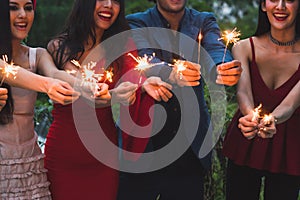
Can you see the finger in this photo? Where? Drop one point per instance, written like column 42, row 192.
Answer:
column 229, row 65
column 3, row 97
column 103, row 89
column 3, row 91
column 162, row 95
column 191, row 65
column 189, row 72
column 166, row 92
column 230, row 72
column 187, row 83
column 226, row 82
column 165, row 85
column 67, row 90
column 126, row 89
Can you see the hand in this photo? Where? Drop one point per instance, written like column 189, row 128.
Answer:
column 157, row 89
column 229, row 73
column 267, row 129
column 188, row 77
column 61, row 92
column 102, row 95
column 247, row 126
column 124, row 93
column 3, row 97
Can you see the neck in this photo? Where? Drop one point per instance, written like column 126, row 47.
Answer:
column 173, row 18
column 285, row 40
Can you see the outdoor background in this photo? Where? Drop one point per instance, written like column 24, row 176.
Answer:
column 49, row 20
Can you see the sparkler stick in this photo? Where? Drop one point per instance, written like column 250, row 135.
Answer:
column 230, row 37
column 199, row 45
column 9, row 69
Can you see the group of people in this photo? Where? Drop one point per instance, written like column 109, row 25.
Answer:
column 79, row 162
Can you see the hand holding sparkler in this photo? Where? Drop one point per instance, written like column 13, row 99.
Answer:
column 3, row 97
column 125, row 93
column 185, row 73
column 229, row 73
column 91, row 79
column 8, row 69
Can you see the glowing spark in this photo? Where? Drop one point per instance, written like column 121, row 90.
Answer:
column 88, row 75
column 109, row 76
column 230, row 37
column 143, row 63
column 8, row 69
column 267, row 119
column 256, row 113
column 180, row 67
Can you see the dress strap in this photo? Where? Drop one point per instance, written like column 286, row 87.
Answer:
column 32, row 59
column 252, row 49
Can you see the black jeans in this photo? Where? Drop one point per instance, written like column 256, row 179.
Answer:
column 245, row 183
column 182, row 180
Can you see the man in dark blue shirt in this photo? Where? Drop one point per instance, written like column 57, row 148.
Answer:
column 169, row 30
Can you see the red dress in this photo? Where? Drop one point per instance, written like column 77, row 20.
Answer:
column 74, row 169
column 279, row 154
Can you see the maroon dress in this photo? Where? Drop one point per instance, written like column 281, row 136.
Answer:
column 74, row 172
column 279, row 154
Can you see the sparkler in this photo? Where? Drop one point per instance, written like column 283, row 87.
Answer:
column 256, row 113
column 88, row 74
column 230, row 37
column 180, row 67
column 199, row 45
column 8, row 69
column 267, row 119
column 143, row 63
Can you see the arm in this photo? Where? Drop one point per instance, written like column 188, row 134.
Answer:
column 287, row 107
column 48, row 68
column 57, row 90
column 161, row 68
column 3, row 97
column 228, row 72
column 242, row 52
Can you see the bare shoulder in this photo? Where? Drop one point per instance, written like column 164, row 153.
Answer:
column 242, row 45
column 53, row 45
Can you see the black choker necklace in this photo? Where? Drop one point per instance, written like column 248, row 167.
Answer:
column 289, row 43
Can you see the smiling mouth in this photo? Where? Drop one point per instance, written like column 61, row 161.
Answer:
column 280, row 17
column 105, row 16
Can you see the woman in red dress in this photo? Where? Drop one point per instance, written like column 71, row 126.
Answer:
column 74, row 169
column 256, row 147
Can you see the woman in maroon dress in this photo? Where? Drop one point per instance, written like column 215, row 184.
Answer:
column 74, row 169
column 271, row 73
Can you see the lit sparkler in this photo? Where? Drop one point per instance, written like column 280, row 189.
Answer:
column 199, row 45
column 230, row 37
column 256, row 113
column 8, row 69
column 88, row 74
column 143, row 63
column 267, row 119
column 180, row 67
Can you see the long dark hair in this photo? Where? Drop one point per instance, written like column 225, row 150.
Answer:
column 80, row 26
column 264, row 26
column 6, row 114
